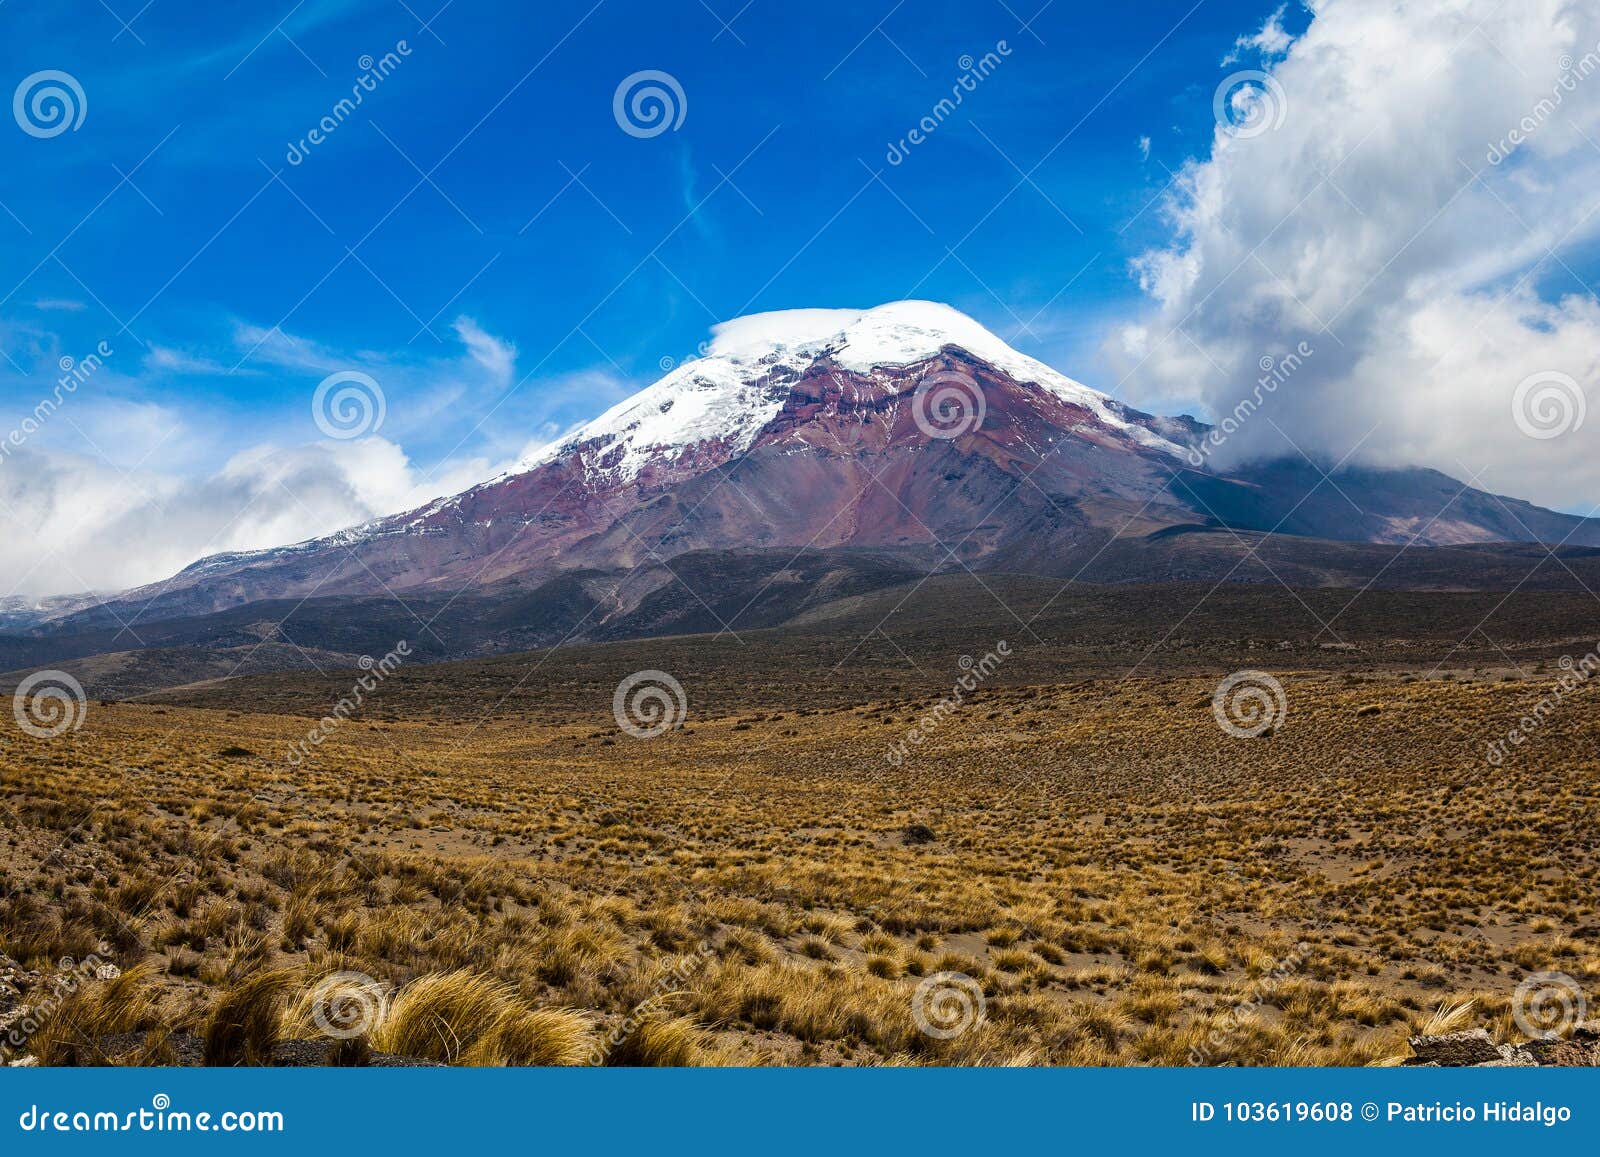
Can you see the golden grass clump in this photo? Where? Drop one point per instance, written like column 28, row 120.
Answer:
column 441, row 1016
column 75, row 1033
column 245, row 1022
column 659, row 1041
column 534, row 1036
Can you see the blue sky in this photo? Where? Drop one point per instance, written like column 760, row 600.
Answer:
column 1413, row 194
column 635, row 245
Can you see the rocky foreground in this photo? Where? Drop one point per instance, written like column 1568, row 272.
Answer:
column 1474, row 1048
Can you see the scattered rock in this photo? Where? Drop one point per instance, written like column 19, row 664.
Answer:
column 1580, row 1050
column 1455, row 1049
column 185, row 1050
column 917, row 834
column 1474, row 1048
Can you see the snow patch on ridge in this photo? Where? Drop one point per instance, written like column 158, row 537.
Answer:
column 707, row 400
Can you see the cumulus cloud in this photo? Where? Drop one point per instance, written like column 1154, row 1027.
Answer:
column 1268, row 41
column 102, row 488
column 1403, row 192
column 74, row 523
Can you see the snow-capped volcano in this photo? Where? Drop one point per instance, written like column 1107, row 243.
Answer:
column 821, row 428
column 728, row 396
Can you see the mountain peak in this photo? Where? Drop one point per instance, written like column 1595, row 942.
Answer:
column 724, row 397
column 896, row 333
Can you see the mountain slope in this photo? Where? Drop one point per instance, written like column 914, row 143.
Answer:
column 907, row 428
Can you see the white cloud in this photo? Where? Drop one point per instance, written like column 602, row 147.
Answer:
column 1269, row 41
column 74, row 523
column 422, row 391
column 1371, row 224
column 161, row 359
column 496, row 356
column 111, row 490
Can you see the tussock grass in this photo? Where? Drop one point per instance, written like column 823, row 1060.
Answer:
column 442, row 1016
column 1123, row 882
column 1448, row 1017
column 244, row 1023
column 74, row 1033
column 534, row 1036
column 664, row 1041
